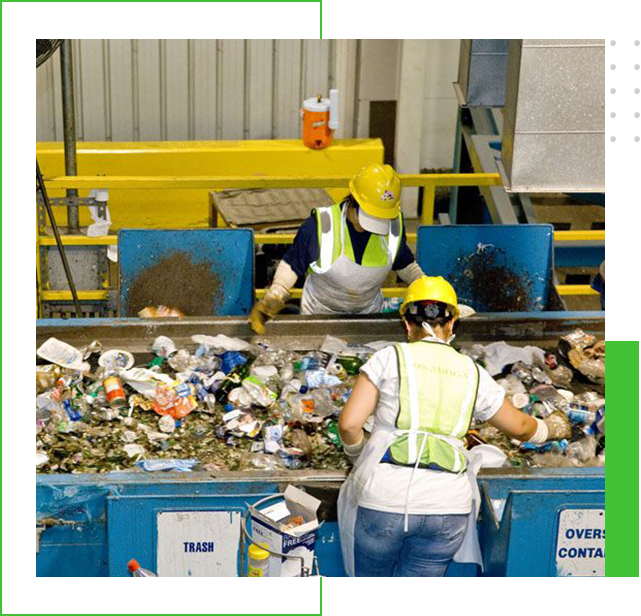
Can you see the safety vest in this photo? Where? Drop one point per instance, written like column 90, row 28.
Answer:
column 437, row 393
column 333, row 233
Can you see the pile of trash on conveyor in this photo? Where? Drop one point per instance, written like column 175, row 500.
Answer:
column 233, row 405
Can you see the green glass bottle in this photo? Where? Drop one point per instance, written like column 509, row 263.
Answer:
column 232, row 380
column 351, row 364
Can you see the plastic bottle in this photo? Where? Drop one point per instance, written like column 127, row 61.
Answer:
column 323, row 406
column 583, row 450
column 258, row 565
column 579, row 413
column 312, row 406
column 290, row 389
column 137, row 571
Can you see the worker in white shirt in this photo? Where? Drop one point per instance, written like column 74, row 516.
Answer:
column 410, row 503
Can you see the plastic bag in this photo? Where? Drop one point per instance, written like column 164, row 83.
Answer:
column 512, row 385
column 260, row 394
column 144, row 381
column 163, row 346
column 222, row 342
column 62, row 354
column 321, row 378
column 167, row 465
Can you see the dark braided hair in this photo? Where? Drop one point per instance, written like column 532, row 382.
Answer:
column 435, row 314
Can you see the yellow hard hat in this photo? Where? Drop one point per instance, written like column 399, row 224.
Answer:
column 377, row 189
column 433, row 288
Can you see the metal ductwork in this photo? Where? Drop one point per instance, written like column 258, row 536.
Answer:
column 554, row 116
column 482, row 72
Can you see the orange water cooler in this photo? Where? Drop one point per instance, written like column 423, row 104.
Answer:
column 320, row 120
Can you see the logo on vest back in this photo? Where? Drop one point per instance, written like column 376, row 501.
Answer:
column 441, row 370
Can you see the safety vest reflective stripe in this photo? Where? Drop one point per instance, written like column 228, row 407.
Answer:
column 328, row 239
column 394, row 238
column 437, row 394
column 333, row 239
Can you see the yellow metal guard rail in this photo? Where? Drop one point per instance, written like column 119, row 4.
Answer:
column 429, row 182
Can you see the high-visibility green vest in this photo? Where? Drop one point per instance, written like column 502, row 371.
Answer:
column 380, row 250
column 437, row 393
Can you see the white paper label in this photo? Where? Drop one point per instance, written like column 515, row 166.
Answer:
column 580, row 548
column 198, row 543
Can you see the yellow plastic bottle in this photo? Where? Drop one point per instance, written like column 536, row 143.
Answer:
column 258, row 565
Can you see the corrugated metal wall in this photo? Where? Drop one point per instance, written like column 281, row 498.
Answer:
column 147, row 90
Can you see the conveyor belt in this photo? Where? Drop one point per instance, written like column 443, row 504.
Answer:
column 306, row 332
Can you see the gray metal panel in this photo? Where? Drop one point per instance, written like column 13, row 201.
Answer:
column 149, row 100
column 87, row 264
column 175, row 81
column 511, row 103
column 554, row 124
column 205, row 100
column 465, row 55
column 490, row 45
column 121, row 101
column 563, row 42
column 91, row 90
column 487, row 80
column 562, row 89
column 482, row 72
column 558, row 163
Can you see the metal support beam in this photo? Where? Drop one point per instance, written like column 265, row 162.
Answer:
column 483, row 158
column 61, row 249
column 275, row 181
column 562, row 238
column 69, row 129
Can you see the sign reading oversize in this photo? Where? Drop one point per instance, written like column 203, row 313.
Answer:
column 580, row 546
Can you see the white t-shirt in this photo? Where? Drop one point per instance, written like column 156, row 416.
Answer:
column 432, row 492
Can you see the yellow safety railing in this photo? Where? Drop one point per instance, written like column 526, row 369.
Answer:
column 429, row 183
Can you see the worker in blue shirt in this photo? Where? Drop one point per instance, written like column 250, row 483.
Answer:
column 345, row 251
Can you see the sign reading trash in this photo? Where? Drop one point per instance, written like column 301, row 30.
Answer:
column 288, row 527
column 198, row 543
column 580, row 549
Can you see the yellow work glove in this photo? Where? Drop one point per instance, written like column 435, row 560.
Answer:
column 266, row 308
column 275, row 298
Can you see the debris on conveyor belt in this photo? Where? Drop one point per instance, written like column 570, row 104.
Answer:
column 488, row 278
column 226, row 404
column 177, row 281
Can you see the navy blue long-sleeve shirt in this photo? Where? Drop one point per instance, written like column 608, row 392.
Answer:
column 305, row 249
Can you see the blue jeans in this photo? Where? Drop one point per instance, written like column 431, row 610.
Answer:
column 383, row 549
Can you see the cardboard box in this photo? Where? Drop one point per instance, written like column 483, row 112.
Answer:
column 267, row 529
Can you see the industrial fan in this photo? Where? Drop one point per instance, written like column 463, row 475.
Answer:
column 45, row 48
